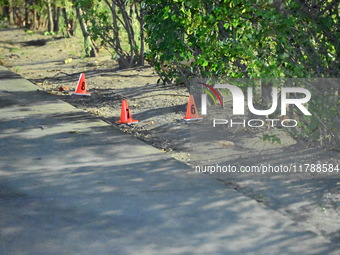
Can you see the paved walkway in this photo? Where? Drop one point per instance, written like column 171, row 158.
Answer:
column 71, row 184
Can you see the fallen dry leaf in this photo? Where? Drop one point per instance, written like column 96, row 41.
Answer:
column 226, row 143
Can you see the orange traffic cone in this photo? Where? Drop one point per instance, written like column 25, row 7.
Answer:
column 81, row 87
column 125, row 115
column 192, row 112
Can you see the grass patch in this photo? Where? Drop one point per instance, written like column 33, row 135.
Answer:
column 14, row 49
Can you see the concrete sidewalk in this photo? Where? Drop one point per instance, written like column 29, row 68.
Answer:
column 72, row 184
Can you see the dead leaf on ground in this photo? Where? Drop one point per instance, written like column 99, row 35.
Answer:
column 68, row 60
column 226, row 143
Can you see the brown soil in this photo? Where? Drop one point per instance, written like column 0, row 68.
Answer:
column 310, row 199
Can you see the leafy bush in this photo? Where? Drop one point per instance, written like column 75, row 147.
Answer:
column 243, row 38
column 250, row 39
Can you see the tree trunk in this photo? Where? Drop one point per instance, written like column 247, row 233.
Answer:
column 69, row 23
column 66, row 21
column 56, row 16
column 140, row 17
column 34, row 20
column 123, row 58
column 10, row 12
column 129, row 29
column 27, row 13
column 73, row 24
column 142, row 45
column 50, row 16
column 115, row 25
column 89, row 47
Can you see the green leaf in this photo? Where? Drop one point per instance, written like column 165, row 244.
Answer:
column 205, row 63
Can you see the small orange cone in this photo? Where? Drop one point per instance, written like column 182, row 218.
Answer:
column 192, row 112
column 81, row 87
column 125, row 115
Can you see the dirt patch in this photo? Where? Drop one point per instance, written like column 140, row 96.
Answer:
column 311, row 199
